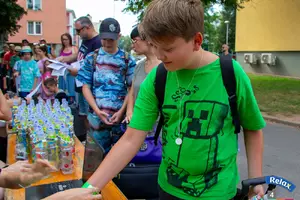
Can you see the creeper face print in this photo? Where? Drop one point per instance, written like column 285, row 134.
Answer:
column 200, row 128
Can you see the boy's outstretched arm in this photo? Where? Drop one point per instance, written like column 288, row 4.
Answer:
column 118, row 157
column 254, row 144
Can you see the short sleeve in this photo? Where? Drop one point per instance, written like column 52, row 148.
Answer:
column 17, row 65
column 85, row 73
column 249, row 112
column 130, row 70
column 36, row 70
column 137, row 68
column 145, row 111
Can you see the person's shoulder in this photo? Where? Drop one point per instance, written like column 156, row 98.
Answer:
column 6, row 54
column 95, row 39
column 126, row 55
column 33, row 62
column 238, row 69
column 19, row 61
column 91, row 54
column 141, row 62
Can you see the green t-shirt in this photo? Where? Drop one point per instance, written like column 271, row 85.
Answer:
column 204, row 165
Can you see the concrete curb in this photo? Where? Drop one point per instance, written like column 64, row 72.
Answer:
column 281, row 121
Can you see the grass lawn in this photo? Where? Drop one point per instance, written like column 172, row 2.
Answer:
column 277, row 95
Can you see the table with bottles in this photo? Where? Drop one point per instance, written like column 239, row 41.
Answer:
column 45, row 130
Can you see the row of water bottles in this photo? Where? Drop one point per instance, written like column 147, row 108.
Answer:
column 45, row 131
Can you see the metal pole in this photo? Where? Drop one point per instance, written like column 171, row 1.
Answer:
column 114, row 9
column 227, row 33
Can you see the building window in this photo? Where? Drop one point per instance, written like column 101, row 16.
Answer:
column 34, row 28
column 34, row 4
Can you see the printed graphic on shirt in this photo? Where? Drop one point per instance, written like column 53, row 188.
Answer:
column 201, row 126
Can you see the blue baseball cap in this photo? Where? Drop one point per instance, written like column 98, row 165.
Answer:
column 109, row 29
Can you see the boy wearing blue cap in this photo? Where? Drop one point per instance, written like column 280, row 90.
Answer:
column 106, row 76
column 28, row 71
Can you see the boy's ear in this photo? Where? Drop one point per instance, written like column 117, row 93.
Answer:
column 198, row 39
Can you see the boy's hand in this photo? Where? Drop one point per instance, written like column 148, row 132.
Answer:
column 127, row 118
column 16, row 74
column 117, row 117
column 256, row 191
column 28, row 100
column 103, row 116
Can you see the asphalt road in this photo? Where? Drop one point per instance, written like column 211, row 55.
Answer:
column 281, row 156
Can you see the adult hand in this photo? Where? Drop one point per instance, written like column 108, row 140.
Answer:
column 76, row 194
column 17, row 166
column 257, row 191
column 35, row 172
column 104, row 117
column 22, row 174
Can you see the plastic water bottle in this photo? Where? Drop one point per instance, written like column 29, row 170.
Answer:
column 21, row 145
column 53, row 148
column 66, row 149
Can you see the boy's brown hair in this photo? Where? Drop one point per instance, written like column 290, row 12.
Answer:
column 50, row 82
column 167, row 19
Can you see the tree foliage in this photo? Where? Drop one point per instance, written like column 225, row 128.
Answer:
column 125, row 43
column 138, row 6
column 10, row 14
column 211, row 23
column 214, row 22
column 227, row 14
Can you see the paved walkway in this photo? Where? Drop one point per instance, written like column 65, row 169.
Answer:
column 281, row 156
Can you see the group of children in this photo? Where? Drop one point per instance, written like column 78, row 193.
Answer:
column 29, row 74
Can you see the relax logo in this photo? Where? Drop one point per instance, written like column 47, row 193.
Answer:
column 275, row 180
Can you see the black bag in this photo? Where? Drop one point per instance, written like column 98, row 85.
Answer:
column 229, row 82
column 138, row 181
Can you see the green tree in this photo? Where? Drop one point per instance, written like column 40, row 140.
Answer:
column 211, row 22
column 227, row 14
column 125, row 43
column 10, row 14
column 138, row 6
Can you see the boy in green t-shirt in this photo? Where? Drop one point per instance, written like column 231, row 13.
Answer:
column 199, row 144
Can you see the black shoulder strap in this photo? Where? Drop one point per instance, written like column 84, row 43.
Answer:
column 95, row 55
column 229, row 82
column 160, row 85
column 126, row 59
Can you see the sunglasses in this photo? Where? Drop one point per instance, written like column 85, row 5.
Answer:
column 79, row 30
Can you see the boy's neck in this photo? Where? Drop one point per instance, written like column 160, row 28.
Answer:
column 202, row 58
column 113, row 51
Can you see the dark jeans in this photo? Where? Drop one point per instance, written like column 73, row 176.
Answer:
column 165, row 196
column 3, row 148
column 23, row 94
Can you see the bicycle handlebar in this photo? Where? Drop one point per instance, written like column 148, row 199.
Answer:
column 251, row 182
